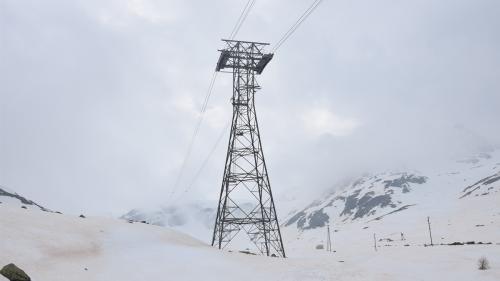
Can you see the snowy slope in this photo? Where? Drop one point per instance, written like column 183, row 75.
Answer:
column 50, row 246
column 11, row 198
column 483, row 187
column 370, row 197
column 462, row 201
column 58, row 247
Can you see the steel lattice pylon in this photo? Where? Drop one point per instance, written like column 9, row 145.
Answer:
column 245, row 172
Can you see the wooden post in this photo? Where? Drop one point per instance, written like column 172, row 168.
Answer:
column 430, row 232
column 328, row 240
column 375, row 242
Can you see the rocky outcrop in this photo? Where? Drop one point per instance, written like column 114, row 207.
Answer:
column 483, row 187
column 14, row 273
column 21, row 199
column 368, row 197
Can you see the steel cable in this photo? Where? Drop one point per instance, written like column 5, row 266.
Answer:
column 296, row 25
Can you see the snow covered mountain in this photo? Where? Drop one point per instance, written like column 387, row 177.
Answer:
column 459, row 196
column 369, row 197
column 462, row 200
column 9, row 197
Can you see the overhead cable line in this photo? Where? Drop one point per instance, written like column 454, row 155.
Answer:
column 207, row 158
column 296, row 25
column 195, row 133
column 234, row 32
column 242, row 18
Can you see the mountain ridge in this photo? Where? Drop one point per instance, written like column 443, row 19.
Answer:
column 11, row 197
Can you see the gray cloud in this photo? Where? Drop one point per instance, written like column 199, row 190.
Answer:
column 98, row 99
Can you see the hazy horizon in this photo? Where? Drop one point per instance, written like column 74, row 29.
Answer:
column 99, row 99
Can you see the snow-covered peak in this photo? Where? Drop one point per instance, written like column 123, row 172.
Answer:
column 370, row 197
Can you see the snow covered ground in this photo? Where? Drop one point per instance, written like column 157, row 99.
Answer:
column 50, row 246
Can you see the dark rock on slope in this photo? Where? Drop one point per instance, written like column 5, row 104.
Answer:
column 483, row 187
column 368, row 196
column 14, row 273
column 21, row 199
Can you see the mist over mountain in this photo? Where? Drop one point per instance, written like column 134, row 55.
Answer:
column 102, row 97
column 389, row 202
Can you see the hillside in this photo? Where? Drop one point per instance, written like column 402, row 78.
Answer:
column 11, row 198
column 52, row 247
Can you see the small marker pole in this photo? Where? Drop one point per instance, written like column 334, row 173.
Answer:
column 430, row 232
column 328, row 240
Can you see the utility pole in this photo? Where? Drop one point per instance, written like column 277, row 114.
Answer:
column 430, row 232
column 328, row 240
column 246, row 203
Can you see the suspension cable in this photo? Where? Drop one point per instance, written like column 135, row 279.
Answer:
column 241, row 18
column 207, row 158
column 234, row 32
column 296, row 25
column 195, row 133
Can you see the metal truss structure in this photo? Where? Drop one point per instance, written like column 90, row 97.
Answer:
column 245, row 174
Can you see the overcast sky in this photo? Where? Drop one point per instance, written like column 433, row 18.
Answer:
column 99, row 99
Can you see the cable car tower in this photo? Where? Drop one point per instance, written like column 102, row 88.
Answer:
column 245, row 174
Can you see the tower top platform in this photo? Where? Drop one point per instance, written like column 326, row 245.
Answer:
column 245, row 55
